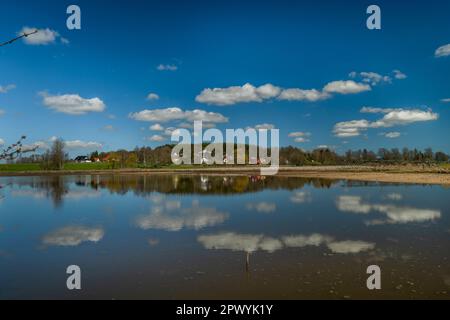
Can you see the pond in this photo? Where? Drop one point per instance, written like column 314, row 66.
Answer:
column 221, row 237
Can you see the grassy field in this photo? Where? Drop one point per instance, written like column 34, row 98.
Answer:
column 68, row 166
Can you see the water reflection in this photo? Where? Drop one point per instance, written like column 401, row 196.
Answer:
column 59, row 188
column 71, row 236
column 395, row 214
column 251, row 243
column 304, row 238
column 169, row 216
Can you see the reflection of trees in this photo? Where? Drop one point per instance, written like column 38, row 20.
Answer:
column 57, row 187
column 179, row 184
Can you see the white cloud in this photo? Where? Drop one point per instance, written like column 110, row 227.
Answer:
column 392, row 117
column 249, row 93
column 38, row 144
column 231, row 95
column 263, row 207
column 152, row 96
column 262, row 126
column 42, row 37
column 156, row 127
column 156, row 138
column 377, row 110
column 268, row 91
column 445, row 100
column 404, row 117
column 79, row 144
column 171, row 114
column 442, row 51
column 299, row 134
column 392, row 135
column 73, row 236
column 352, row 128
column 346, row 87
column 72, row 104
column 300, row 137
column 372, row 78
column 399, row 75
column 167, row 67
column 5, row 89
column 295, row 94
column 2, row 142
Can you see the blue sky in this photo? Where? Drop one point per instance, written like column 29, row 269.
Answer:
column 310, row 67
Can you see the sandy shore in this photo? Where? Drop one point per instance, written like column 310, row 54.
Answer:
column 394, row 174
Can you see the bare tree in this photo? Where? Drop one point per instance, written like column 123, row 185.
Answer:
column 23, row 35
column 16, row 150
column 57, row 154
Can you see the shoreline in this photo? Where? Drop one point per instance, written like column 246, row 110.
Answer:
column 387, row 174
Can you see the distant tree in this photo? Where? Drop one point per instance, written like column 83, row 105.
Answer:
column 441, row 157
column 55, row 158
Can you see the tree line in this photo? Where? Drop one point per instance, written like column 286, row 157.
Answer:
column 147, row 157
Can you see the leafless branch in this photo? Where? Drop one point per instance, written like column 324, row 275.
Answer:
column 24, row 35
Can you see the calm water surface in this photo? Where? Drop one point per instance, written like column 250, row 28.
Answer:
column 189, row 237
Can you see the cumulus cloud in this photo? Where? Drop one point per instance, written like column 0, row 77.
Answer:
column 156, row 127
column 2, row 142
column 72, row 104
column 7, row 88
column 262, row 207
column 250, row 93
column 392, row 117
column 445, row 100
column 42, row 37
column 79, row 144
column 171, row 114
column 156, row 138
column 268, row 91
column 295, row 94
column 73, row 236
column 167, row 67
column 442, row 51
column 164, row 217
column 231, row 95
column 152, row 96
column 351, row 128
column 346, row 87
